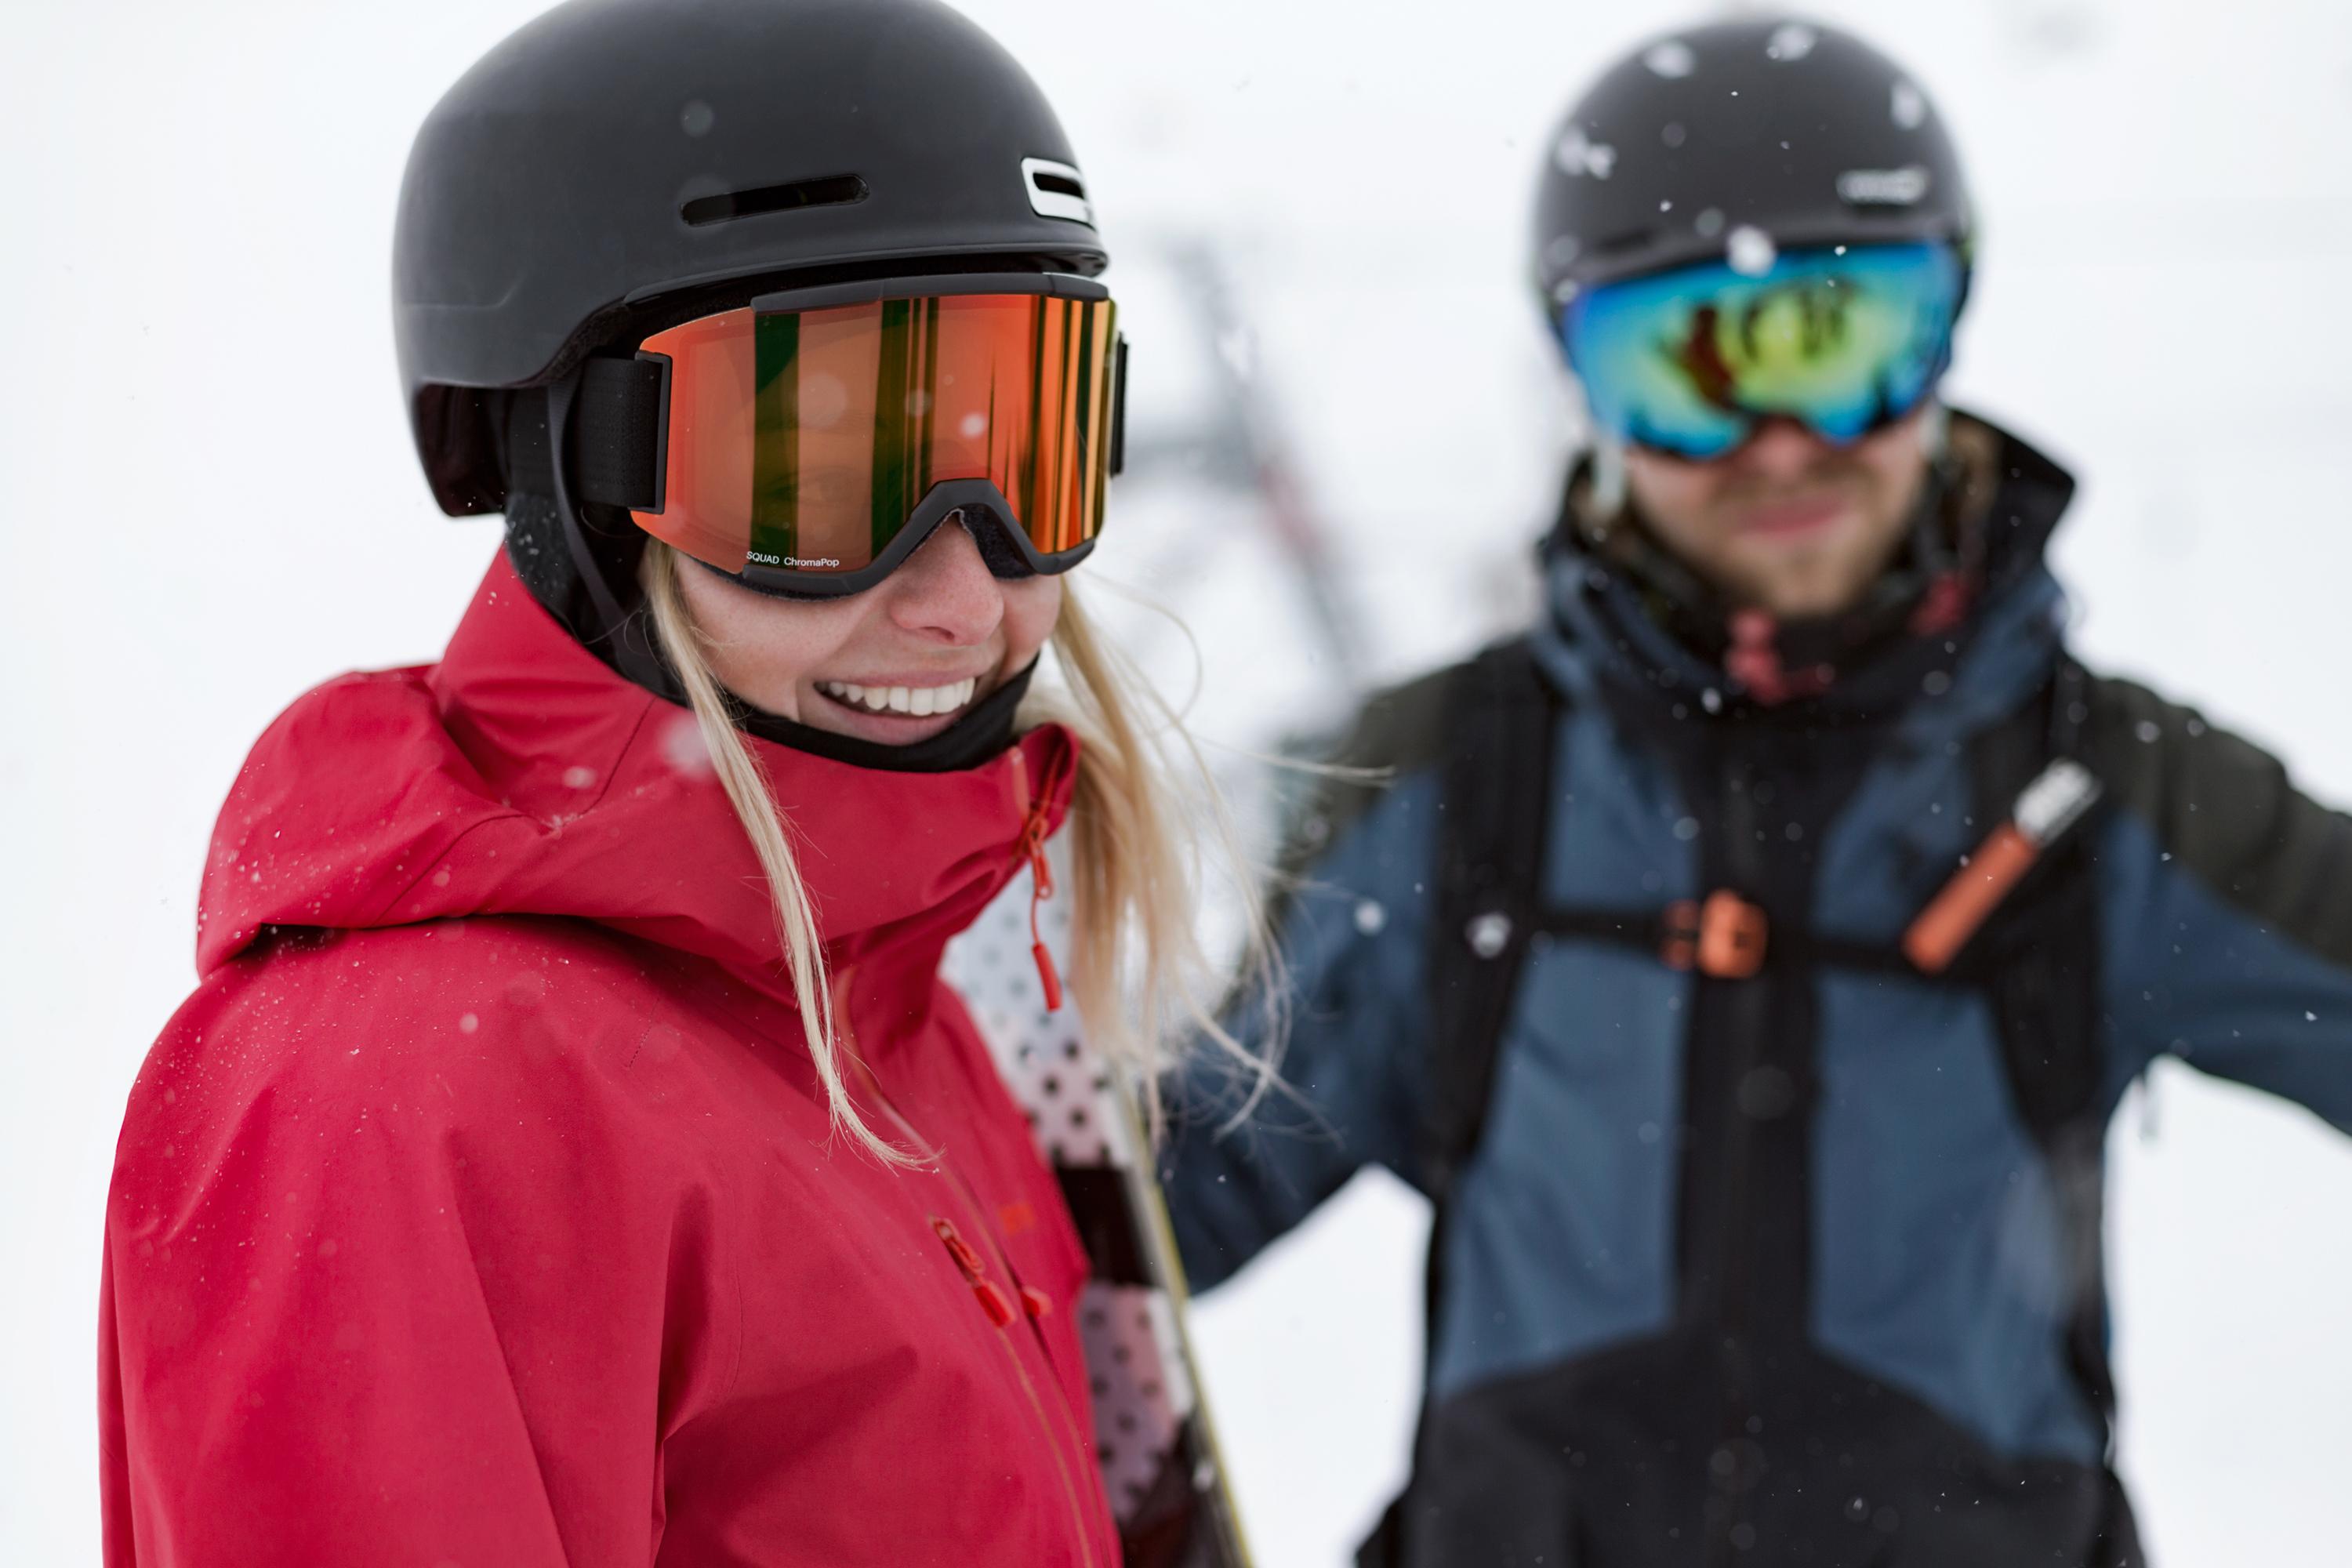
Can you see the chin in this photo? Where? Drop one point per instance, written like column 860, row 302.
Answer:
column 1802, row 580
column 1804, row 592
column 1808, row 606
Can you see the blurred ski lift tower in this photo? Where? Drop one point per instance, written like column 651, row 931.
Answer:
column 1239, row 442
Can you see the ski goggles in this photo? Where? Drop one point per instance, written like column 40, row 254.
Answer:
column 809, row 442
column 1844, row 339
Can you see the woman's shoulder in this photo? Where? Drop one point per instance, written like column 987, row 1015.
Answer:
column 384, row 1140
column 492, row 1022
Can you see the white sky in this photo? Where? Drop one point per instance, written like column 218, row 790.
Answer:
column 214, row 506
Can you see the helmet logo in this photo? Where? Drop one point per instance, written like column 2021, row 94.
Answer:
column 1578, row 154
column 1055, row 190
column 1908, row 105
column 1903, row 187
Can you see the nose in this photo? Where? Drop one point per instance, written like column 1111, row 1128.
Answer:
column 945, row 593
column 1781, row 450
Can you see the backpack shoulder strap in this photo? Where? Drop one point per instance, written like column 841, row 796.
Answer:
column 1492, row 829
column 2038, row 953
column 2038, row 961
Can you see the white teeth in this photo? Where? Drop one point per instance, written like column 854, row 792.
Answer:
column 915, row 701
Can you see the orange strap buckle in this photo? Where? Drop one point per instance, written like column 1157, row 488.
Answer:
column 1723, row 938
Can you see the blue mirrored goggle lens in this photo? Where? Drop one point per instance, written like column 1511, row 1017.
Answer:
column 1844, row 339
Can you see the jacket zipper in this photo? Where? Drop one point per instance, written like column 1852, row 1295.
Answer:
column 1744, row 1015
column 1040, row 875
column 991, row 1299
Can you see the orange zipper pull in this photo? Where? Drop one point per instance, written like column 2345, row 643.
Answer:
column 992, row 1299
column 1046, row 973
column 1032, row 847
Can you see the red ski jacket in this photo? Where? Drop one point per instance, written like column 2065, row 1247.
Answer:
column 481, row 1207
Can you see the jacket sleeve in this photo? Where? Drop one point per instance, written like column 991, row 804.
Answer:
column 2227, row 906
column 374, row 1293
column 1352, row 912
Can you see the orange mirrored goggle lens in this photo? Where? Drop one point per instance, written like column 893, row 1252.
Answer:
column 805, row 441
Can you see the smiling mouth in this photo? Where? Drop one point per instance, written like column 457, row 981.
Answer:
column 1792, row 518
column 913, row 701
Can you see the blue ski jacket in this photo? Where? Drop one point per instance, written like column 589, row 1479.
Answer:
column 1778, row 1269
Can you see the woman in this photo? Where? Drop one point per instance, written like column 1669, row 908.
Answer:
column 569, row 1154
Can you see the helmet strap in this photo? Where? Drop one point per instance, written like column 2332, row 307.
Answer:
column 1936, row 428
column 1607, row 499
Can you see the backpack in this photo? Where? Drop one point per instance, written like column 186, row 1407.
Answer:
column 2019, row 919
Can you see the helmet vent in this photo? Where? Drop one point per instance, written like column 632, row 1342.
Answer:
column 1055, row 190
column 835, row 190
column 1624, row 240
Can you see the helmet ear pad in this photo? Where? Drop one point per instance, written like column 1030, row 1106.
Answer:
column 581, row 570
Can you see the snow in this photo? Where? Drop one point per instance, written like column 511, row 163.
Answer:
column 1673, row 59
column 213, row 505
column 1791, row 42
column 1577, row 154
column 1750, row 251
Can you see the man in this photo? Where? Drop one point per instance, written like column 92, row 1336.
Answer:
column 1746, row 959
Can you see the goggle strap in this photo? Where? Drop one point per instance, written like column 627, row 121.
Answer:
column 1119, row 410
column 523, row 453
column 620, row 431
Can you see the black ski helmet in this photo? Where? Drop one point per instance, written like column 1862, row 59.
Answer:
column 1789, row 130
column 615, row 156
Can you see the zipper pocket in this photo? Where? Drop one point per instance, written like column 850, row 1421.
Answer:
column 1002, row 1313
column 991, row 1296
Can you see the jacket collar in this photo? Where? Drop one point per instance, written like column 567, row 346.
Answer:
column 522, row 776
column 1600, row 629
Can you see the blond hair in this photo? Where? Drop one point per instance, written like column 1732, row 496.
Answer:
column 1139, row 969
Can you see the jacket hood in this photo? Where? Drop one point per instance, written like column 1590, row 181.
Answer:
column 521, row 776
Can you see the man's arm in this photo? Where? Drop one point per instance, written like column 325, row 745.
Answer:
column 1351, row 913
column 2228, row 906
